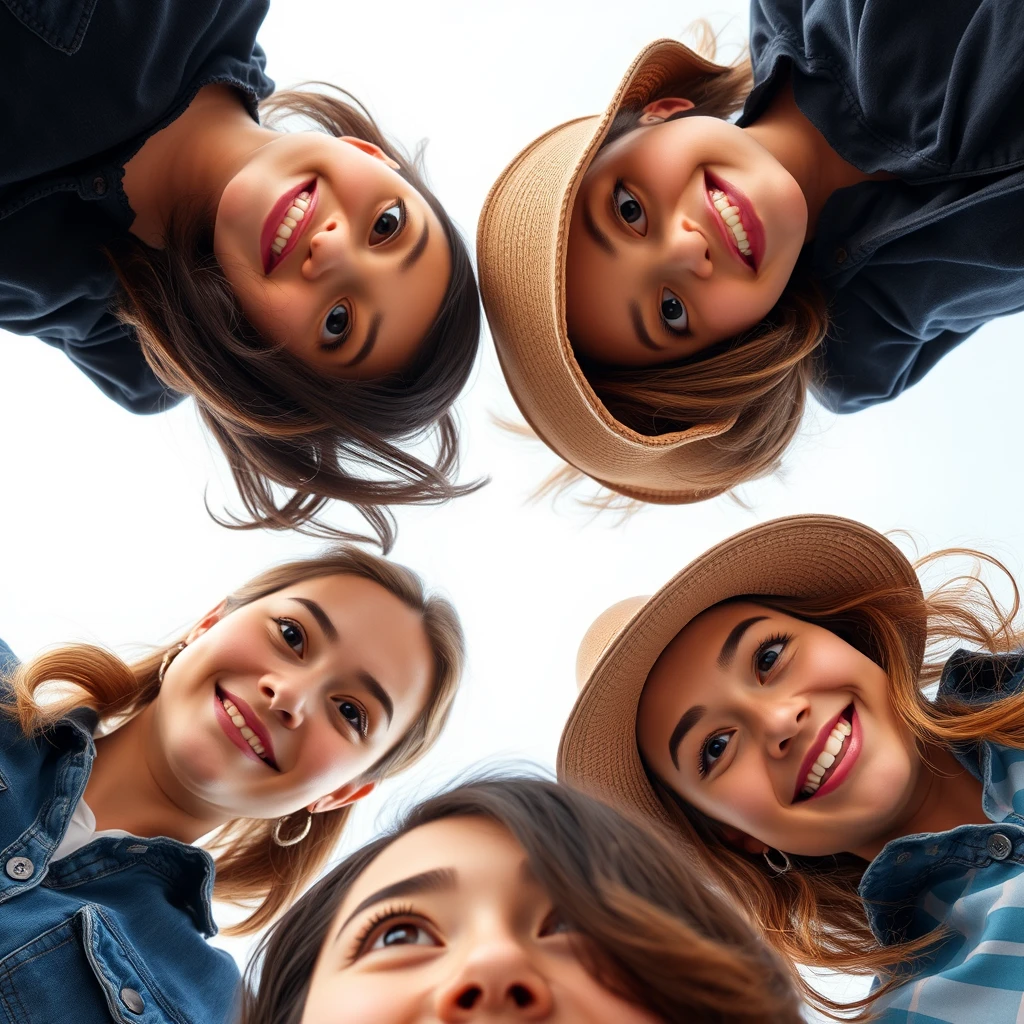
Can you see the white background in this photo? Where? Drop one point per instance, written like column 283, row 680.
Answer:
column 108, row 540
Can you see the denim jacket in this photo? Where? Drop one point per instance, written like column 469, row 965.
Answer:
column 83, row 84
column 931, row 91
column 117, row 930
column 970, row 879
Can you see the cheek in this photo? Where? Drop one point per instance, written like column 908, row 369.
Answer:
column 578, row 996
column 370, row 999
column 729, row 306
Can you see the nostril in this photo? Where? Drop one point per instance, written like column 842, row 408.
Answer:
column 467, row 1000
column 521, row 995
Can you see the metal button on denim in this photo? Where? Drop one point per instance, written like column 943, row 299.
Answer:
column 19, row 868
column 99, row 185
column 132, row 1000
column 998, row 846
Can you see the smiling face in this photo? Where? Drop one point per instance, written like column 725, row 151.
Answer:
column 332, row 254
column 683, row 233
column 780, row 730
column 448, row 924
column 327, row 675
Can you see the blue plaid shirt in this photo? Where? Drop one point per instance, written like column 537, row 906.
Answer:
column 969, row 879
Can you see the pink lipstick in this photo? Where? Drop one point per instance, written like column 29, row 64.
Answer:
column 277, row 214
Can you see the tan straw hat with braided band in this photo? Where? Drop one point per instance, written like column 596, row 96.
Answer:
column 821, row 557
column 521, row 249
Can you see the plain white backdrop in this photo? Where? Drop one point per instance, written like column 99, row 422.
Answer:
column 107, row 537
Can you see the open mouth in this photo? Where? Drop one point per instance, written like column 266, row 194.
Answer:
column 837, row 750
column 286, row 222
column 243, row 728
column 738, row 223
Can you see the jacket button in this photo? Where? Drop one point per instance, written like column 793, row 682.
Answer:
column 99, row 185
column 132, row 1000
column 840, row 255
column 998, row 846
column 19, row 868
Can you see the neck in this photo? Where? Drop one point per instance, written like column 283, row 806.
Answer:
column 947, row 796
column 794, row 141
column 191, row 161
column 127, row 789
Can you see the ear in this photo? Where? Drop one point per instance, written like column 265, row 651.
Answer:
column 210, row 619
column 370, row 149
column 734, row 837
column 661, row 110
column 342, row 797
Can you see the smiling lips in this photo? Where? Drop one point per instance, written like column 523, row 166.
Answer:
column 737, row 221
column 243, row 727
column 830, row 757
column 287, row 221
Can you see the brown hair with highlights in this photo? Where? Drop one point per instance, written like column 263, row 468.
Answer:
column 813, row 914
column 251, row 867
column 279, row 423
column 648, row 925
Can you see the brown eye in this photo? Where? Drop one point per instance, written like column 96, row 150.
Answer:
column 354, row 715
column 628, row 208
column 335, row 327
column 388, row 224
column 768, row 655
column 292, row 635
column 673, row 312
column 404, row 934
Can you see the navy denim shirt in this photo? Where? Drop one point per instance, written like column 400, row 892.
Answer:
column 82, row 86
column 933, row 92
column 114, row 932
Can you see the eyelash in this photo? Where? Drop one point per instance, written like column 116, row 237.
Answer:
column 368, row 930
column 363, row 717
column 281, row 623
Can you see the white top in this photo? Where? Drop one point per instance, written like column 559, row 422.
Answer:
column 81, row 831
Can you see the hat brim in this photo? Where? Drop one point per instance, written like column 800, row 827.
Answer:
column 811, row 556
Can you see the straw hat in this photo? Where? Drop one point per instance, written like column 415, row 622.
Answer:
column 799, row 556
column 521, row 246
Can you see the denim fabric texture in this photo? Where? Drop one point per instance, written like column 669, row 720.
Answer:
column 83, row 84
column 114, row 932
column 969, row 879
column 931, row 91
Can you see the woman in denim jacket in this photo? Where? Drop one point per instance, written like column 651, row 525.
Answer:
column 767, row 705
column 281, row 707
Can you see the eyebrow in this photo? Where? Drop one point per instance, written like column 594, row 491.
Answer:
column 416, row 251
column 732, row 641
column 379, row 692
column 641, row 330
column 439, row 880
column 371, row 339
column 320, row 615
column 599, row 237
column 689, row 719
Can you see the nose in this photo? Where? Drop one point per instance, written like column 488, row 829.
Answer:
column 329, row 249
column 495, row 982
column 782, row 719
column 688, row 247
column 285, row 699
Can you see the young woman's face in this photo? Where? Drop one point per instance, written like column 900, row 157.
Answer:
column 323, row 677
column 735, row 717
column 654, row 273
column 356, row 284
column 448, row 924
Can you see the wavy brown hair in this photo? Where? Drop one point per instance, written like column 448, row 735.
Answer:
column 813, row 914
column 279, row 423
column 251, row 867
column 759, row 378
column 649, row 927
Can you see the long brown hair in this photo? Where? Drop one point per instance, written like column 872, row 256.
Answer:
column 813, row 914
column 758, row 378
column 251, row 867
column 279, row 422
column 650, row 927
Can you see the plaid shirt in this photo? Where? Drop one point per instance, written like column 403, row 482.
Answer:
column 969, row 879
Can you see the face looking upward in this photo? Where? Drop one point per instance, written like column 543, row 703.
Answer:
column 447, row 924
column 364, row 263
column 326, row 676
column 736, row 716
column 683, row 233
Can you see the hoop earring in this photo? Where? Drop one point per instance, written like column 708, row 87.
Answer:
column 775, row 867
column 168, row 658
column 295, row 839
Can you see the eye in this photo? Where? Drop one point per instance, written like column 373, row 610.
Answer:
column 711, row 752
column 404, row 934
column 354, row 715
column 292, row 634
column 335, row 327
column 768, row 654
column 388, row 224
column 628, row 209
column 554, row 924
column 673, row 312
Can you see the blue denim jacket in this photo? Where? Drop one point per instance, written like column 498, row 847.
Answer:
column 970, row 879
column 117, row 930
column 83, row 84
column 933, row 92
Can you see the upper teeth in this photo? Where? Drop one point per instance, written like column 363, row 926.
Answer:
column 291, row 221
column 731, row 215
column 827, row 757
column 236, row 717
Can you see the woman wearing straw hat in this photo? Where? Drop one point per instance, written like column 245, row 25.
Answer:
column 767, row 705
column 663, row 286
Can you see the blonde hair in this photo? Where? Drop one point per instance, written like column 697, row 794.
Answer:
column 251, row 867
column 813, row 914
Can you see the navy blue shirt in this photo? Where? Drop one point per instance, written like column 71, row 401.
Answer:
column 115, row 931
column 82, row 86
column 933, row 92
